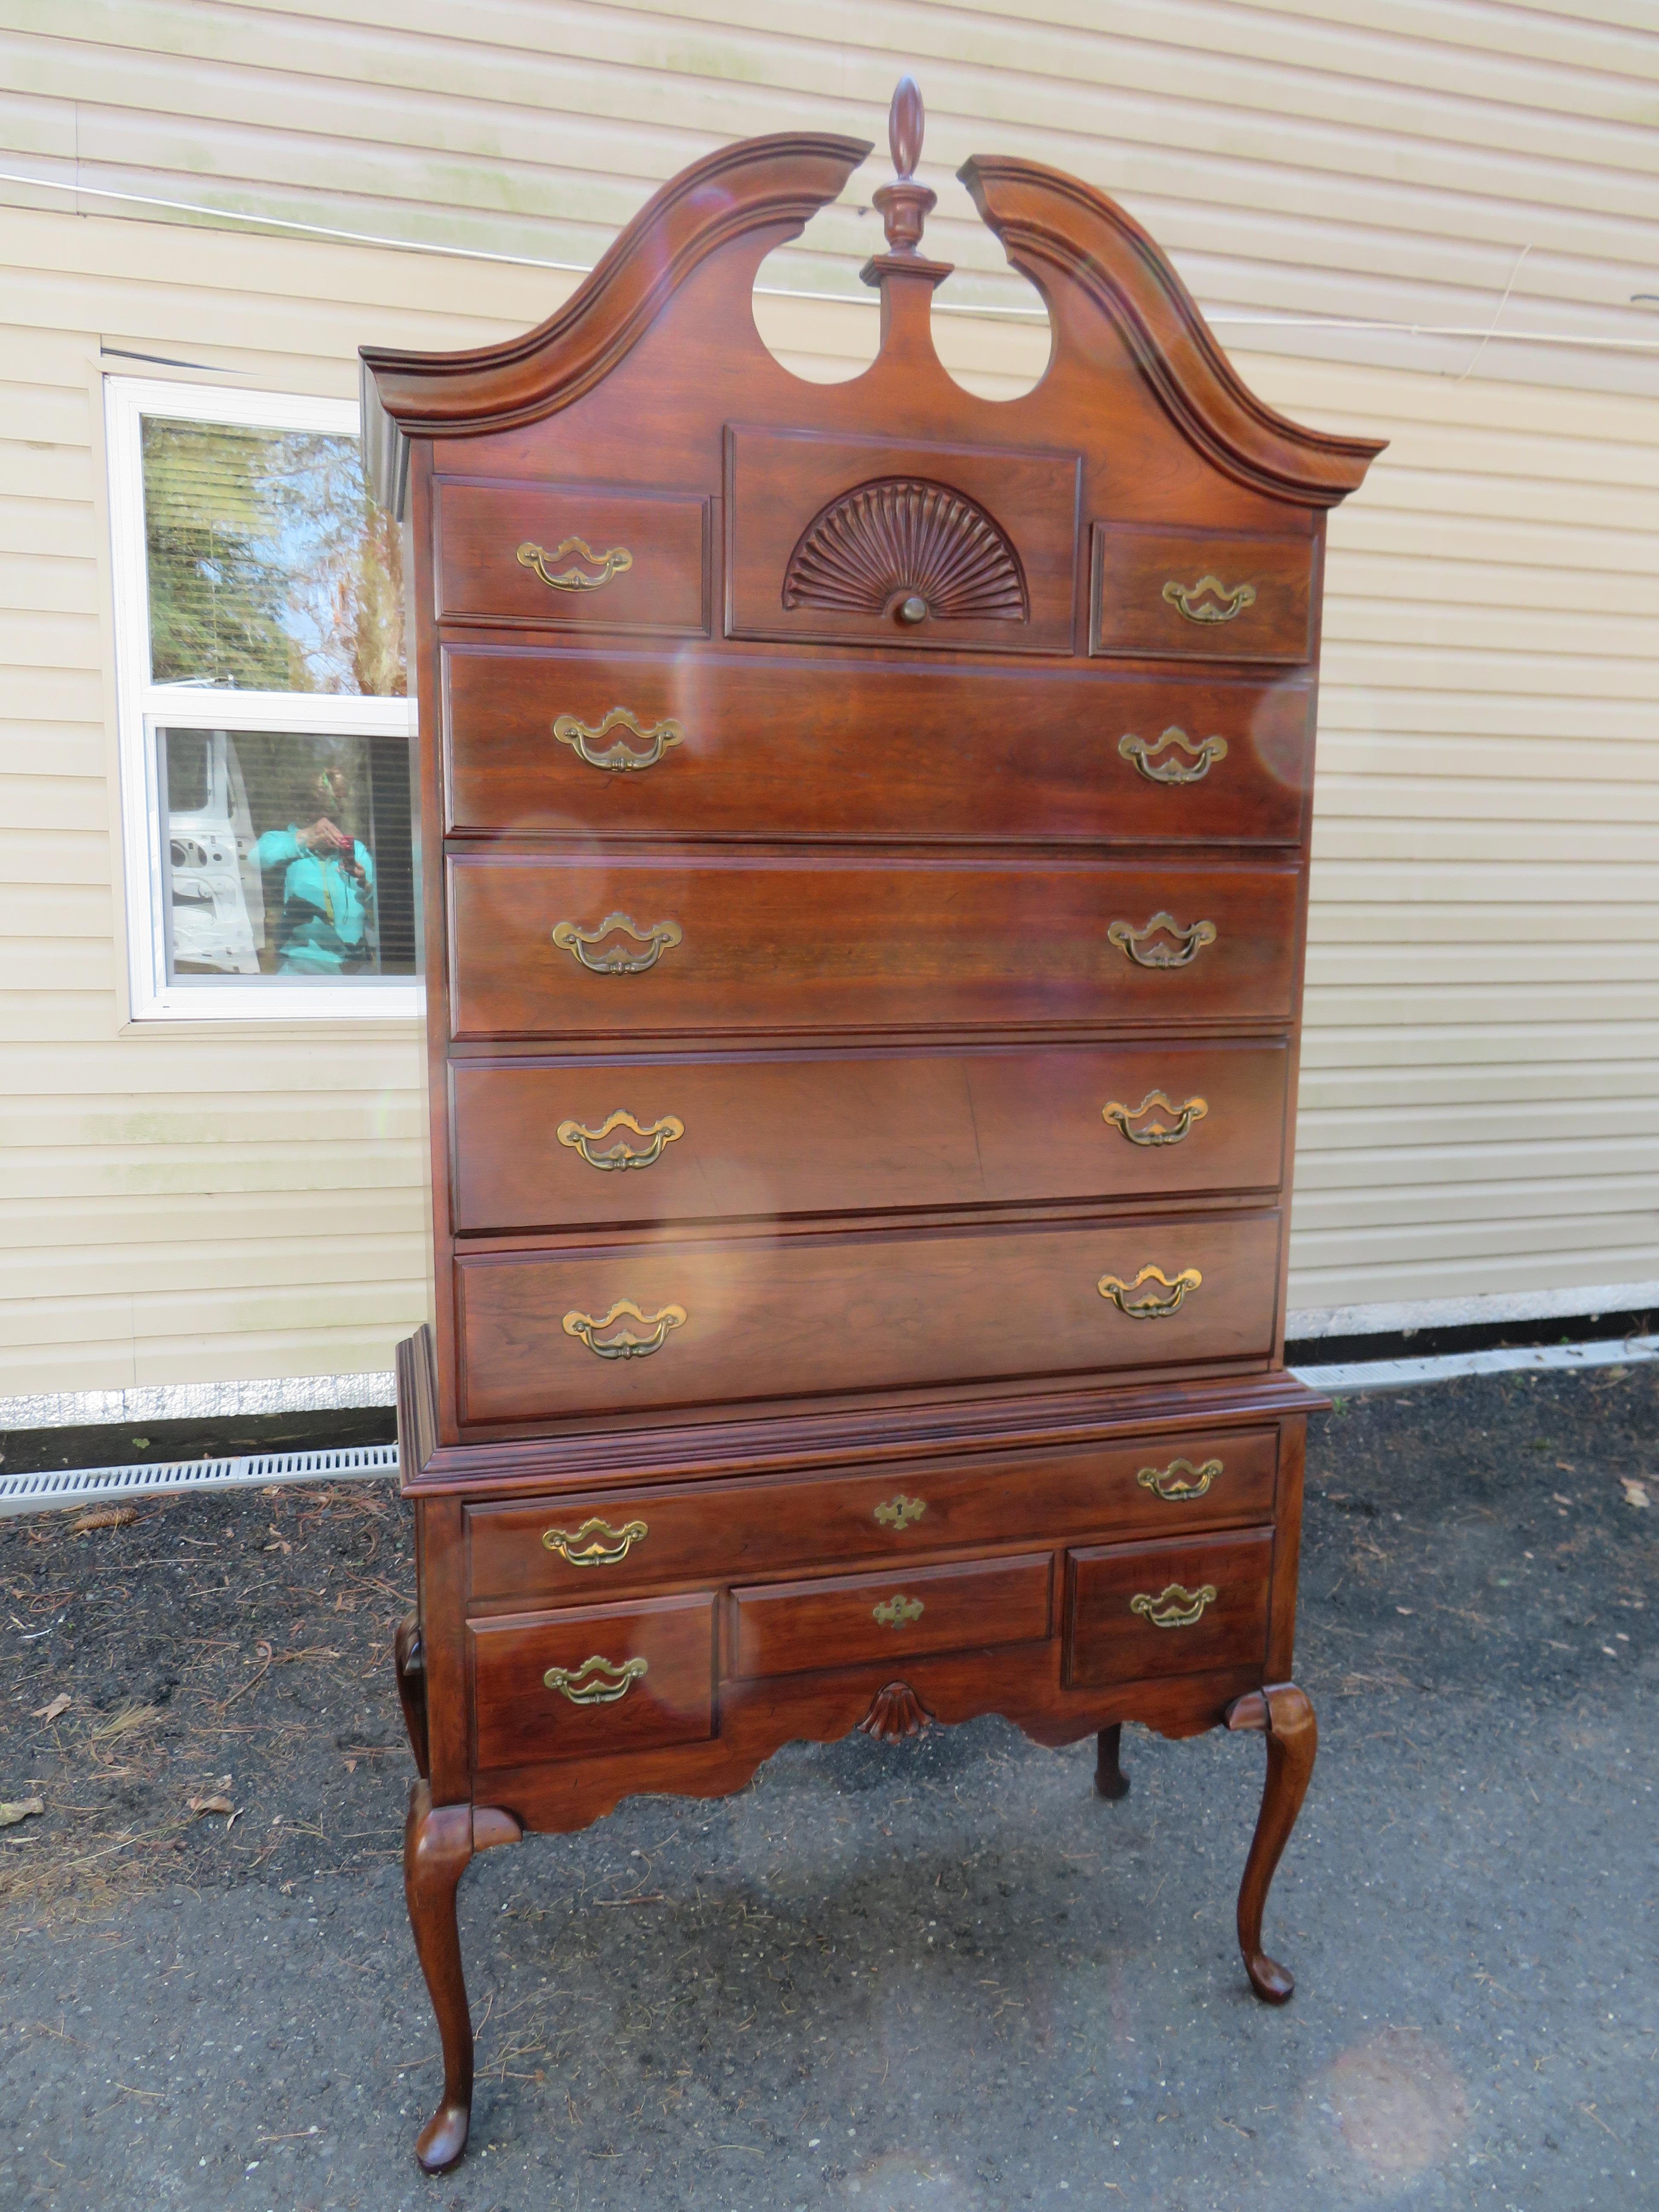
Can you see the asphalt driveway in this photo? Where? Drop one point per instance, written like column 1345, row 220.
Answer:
column 940, row 1975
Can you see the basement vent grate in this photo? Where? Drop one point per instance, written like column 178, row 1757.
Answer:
column 92, row 1485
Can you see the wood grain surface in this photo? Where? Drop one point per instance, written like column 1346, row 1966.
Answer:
column 481, row 526
column 849, row 1133
column 1107, row 1641
column 800, row 1316
column 1133, row 613
column 516, row 1715
column 837, row 1620
column 779, row 481
column 806, row 746
column 783, row 946
column 734, row 1530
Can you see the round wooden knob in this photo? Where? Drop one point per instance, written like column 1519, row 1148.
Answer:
column 913, row 610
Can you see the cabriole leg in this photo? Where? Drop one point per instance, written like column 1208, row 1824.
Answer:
column 1110, row 1780
column 438, row 1841
column 1284, row 1714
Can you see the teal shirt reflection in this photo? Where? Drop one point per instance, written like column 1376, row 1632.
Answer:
column 327, row 926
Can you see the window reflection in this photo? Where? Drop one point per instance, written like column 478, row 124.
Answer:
column 287, row 854
column 269, row 568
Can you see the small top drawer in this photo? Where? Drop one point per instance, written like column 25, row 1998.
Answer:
column 561, row 557
column 1189, row 594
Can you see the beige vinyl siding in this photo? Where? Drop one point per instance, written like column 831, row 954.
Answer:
column 1481, row 1066
column 1411, row 163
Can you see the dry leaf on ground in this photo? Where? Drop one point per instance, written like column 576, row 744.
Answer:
column 1636, row 1493
column 60, row 1704
column 21, row 1809
column 200, row 1805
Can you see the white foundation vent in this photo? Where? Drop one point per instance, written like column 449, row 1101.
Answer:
column 93, row 1486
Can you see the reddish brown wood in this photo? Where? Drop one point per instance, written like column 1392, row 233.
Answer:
column 518, row 1713
column 981, row 506
column 912, row 947
column 770, row 746
column 893, row 1712
column 1283, row 1711
column 409, row 1664
column 1021, row 1682
column 896, row 1433
column 438, row 1842
column 1142, row 577
column 658, row 546
column 1110, row 1780
column 717, row 1530
column 867, row 1132
column 838, row 1620
column 902, row 635
column 1108, row 1639
column 798, row 1316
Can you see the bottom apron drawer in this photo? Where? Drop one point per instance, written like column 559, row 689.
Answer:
column 1174, row 1607
column 841, row 1620
column 593, row 1680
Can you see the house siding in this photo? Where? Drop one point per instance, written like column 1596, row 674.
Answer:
column 1478, row 1128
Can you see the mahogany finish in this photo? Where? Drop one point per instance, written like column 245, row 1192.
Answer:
column 864, row 864
column 913, row 945
column 863, row 1132
column 1120, row 1625
column 682, row 1532
column 836, row 1620
column 763, row 746
column 1189, row 592
column 664, row 589
column 809, row 1315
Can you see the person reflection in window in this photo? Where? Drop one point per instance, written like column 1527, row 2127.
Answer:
column 327, row 926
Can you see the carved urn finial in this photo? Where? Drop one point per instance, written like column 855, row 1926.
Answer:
column 905, row 205
column 906, row 120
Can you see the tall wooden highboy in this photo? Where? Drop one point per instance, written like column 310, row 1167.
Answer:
column 864, row 834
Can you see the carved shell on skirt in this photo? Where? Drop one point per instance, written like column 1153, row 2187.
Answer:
column 905, row 547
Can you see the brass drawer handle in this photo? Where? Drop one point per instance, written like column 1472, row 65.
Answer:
column 597, row 1681
column 1174, row 1607
column 899, row 1512
column 1147, row 754
column 581, row 737
column 621, row 1154
column 1136, row 943
column 626, row 1346
column 615, row 562
column 570, row 936
column 1209, row 600
column 1180, row 1480
column 1151, row 1307
column 897, row 1611
column 596, row 1543
column 1155, row 1133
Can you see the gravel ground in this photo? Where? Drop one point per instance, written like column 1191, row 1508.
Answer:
column 940, row 1976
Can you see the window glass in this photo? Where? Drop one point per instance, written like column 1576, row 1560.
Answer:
column 286, row 853
column 269, row 568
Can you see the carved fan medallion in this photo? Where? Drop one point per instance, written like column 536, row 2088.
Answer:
column 909, row 549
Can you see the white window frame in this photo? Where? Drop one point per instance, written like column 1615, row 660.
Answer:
column 143, row 707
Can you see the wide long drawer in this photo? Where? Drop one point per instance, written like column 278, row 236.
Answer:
column 588, row 1141
column 588, row 1330
column 579, row 1546
column 584, row 947
column 643, row 745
